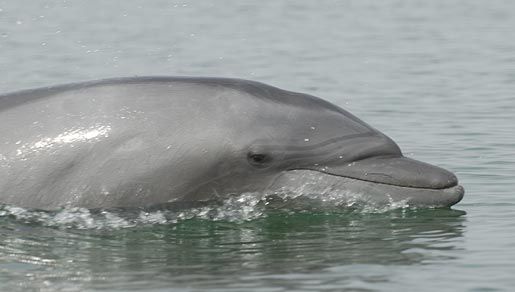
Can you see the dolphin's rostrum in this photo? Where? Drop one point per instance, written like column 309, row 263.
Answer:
column 144, row 141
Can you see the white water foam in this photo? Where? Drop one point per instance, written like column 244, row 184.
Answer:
column 235, row 208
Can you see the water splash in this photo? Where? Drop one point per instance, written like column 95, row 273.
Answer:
column 235, row 208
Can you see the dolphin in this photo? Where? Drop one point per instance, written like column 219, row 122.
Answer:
column 145, row 141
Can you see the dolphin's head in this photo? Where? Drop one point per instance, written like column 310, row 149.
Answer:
column 292, row 142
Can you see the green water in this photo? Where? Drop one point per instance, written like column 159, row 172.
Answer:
column 297, row 250
column 436, row 76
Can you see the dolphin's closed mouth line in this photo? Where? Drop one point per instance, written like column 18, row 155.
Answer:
column 376, row 182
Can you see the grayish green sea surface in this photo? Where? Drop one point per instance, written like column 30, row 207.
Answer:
column 437, row 76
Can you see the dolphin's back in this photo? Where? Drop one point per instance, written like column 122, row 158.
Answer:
column 23, row 96
column 248, row 87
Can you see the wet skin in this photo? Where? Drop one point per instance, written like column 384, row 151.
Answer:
column 132, row 142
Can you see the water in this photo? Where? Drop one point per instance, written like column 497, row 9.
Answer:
column 436, row 76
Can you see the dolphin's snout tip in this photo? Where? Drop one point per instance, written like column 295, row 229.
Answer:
column 448, row 197
column 459, row 193
column 399, row 171
column 438, row 178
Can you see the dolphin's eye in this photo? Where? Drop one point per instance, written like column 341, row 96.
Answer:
column 259, row 159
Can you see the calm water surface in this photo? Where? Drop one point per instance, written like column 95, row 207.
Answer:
column 436, row 76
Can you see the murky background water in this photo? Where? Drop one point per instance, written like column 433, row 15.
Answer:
column 436, row 76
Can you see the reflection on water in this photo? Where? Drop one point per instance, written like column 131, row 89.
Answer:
column 213, row 253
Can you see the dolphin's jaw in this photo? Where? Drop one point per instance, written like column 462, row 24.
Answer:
column 391, row 170
column 312, row 182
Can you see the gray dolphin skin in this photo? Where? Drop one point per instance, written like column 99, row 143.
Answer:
column 144, row 141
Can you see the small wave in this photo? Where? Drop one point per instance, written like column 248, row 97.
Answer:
column 235, row 208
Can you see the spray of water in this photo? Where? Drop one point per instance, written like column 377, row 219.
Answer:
column 235, row 208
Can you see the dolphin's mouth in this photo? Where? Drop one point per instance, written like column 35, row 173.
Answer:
column 393, row 170
column 381, row 179
column 314, row 183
